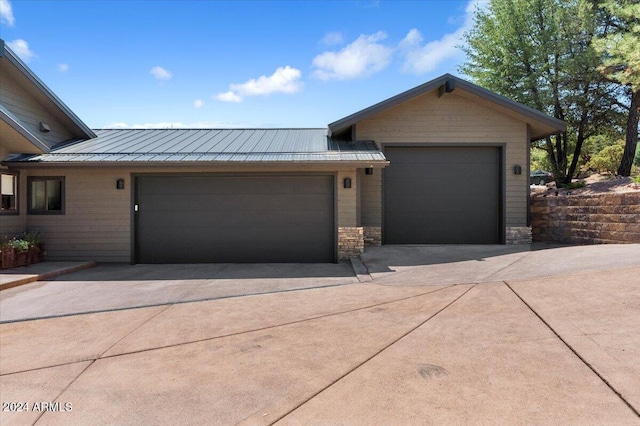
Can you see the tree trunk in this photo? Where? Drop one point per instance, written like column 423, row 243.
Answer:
column 632, row 136
column 576, row 154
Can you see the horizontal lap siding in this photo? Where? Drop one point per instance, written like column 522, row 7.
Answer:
column 30, row 112
column 97, row 222
column 371, row 198
column 453, row 119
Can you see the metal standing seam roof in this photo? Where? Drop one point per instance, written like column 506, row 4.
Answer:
column 209, row 145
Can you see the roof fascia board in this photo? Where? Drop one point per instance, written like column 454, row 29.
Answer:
column 199, row 164
column 22, row 67
column 434, row 84
column 523, row 109
column 13, row 121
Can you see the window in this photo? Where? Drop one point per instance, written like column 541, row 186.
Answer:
column 46, row 195
column 9, row 191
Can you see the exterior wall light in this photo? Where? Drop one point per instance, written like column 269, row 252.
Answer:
column 120, row 184
column 517, row 170
column 347, row 183
column 368, row 171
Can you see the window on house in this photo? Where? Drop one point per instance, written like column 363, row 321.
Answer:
column 9, row 192
column 46, row 195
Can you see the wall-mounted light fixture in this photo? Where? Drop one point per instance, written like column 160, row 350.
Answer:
column 120, row 184
column 347, row 183
column 517, row 170
column 368, row 171
column 44, row 127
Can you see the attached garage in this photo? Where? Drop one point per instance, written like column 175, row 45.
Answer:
column 442, row 195
column 443, row 163
column 209, row 218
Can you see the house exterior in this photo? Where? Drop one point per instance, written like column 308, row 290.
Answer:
column 443, row 163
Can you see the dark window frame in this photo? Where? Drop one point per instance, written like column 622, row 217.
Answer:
column 32, row 179
column 16, row 194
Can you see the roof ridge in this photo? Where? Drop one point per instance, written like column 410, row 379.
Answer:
column 220, row 128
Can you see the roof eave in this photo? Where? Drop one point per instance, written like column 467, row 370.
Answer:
column 138, row 164
column 5, row 51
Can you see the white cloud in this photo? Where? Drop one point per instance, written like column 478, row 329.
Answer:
column 283, row 80
column 228, row 97
column 21, row 48
column 6, row 13
column 63, row 67
column 198, row 103
column 363, row 57
column 422, row 58
column 160, row 73
column 332, row 38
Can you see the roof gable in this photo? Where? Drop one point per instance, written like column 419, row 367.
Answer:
column 541, row 124
column 11, row 64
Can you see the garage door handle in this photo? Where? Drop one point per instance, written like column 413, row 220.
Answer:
column 135, row 208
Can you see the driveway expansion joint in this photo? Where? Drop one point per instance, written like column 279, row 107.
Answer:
column 176, row 302
column 359, row 365
column 580, row 357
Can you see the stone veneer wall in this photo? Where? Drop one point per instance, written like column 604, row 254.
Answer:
column 372, row 236
column 518, row 235
column 587, row 219
column 350, row 242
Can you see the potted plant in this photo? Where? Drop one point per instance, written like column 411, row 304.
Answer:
column 20, row 250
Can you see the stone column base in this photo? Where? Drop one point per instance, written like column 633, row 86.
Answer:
column 372, row 236
column 518, row 235
column 350, row 242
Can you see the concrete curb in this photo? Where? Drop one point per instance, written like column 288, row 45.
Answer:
column 46, row 275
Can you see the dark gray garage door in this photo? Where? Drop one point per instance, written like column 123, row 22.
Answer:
column 189, row 219
column 441, row 195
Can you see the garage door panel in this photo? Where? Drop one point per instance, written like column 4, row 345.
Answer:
column 441, row 195
column 243, row 202
column 185, row 218
column 235, row 219
column 161, row 185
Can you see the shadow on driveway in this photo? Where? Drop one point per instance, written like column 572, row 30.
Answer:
column 388, row 257
column 210, row 271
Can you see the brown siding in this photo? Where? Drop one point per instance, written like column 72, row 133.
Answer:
column 347, row 199
column 453, row 119
column 371, row 198
column 27, row 109
column 97, row 221
column 96, row 224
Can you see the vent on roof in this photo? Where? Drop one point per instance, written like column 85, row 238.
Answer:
column 44, row 127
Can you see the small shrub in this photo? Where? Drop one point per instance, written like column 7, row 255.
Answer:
column 574, row 185
column 607, row 160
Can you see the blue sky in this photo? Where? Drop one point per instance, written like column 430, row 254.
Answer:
column 232, row 64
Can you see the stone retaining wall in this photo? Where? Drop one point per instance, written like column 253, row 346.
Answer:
column 586, row 219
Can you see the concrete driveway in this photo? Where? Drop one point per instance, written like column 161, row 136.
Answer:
column 440, row 335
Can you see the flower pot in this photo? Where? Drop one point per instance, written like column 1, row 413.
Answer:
column 21, row 258
column 7, row 258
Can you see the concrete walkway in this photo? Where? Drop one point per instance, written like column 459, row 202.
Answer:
column 553, row 348
column 15, row 277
